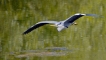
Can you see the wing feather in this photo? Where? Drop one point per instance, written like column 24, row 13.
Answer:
column 39, row 24
column 74, row 17
column 77, row 16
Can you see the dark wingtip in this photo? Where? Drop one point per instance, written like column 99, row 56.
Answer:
column 24, row 33
column 27, row 31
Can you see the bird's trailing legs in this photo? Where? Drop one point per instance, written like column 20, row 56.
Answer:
column 74, row 23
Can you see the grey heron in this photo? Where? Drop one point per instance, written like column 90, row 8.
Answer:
column 60, row 25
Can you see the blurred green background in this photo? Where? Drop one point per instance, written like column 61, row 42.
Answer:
column 85, row 41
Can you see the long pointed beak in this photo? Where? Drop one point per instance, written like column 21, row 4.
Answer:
column 52, row 25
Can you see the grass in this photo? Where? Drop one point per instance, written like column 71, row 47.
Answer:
column 86, row 39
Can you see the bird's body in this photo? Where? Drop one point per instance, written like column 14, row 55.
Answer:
column 60, row 25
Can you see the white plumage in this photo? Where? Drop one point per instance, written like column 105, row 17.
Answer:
column 60, row 25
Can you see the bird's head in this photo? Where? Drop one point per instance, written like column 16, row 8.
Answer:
column 57, row 24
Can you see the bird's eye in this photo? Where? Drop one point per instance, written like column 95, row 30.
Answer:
column 59, row 23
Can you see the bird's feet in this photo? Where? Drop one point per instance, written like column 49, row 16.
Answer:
column 74, row 23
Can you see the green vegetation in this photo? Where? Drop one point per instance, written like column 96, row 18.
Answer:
column 86, row 40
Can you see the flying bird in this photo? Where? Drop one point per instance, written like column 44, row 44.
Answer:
column 60, row 25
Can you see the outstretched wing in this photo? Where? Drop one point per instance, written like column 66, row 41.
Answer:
column 76, row 16
column 73, row 18
column 39, row 24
